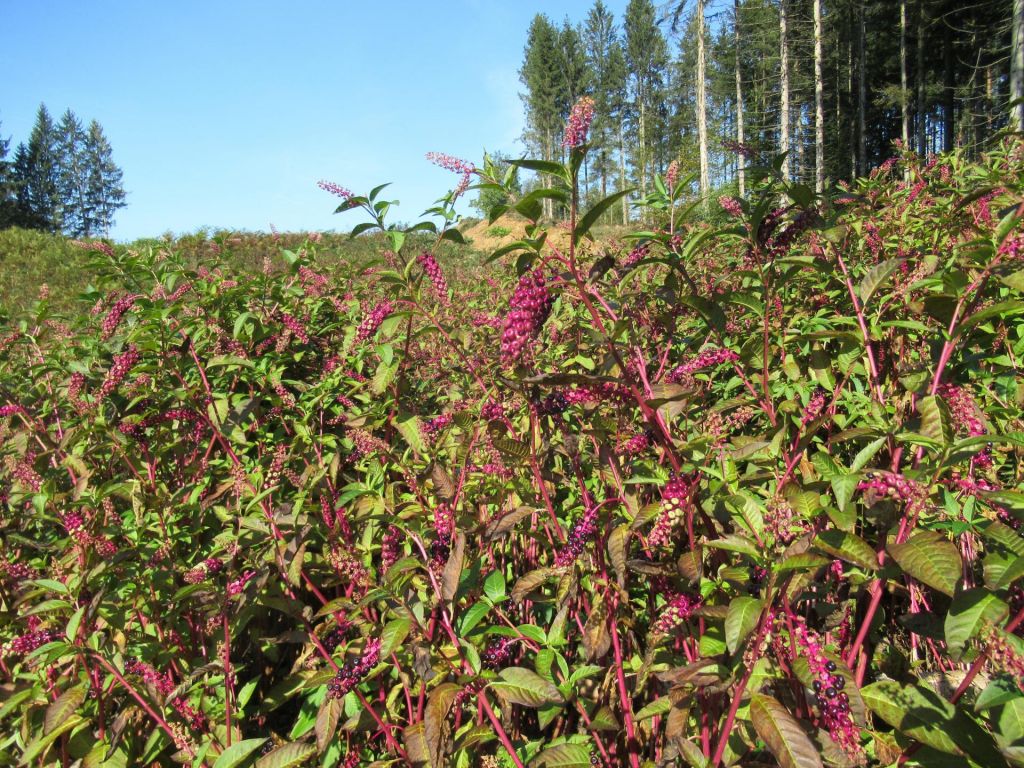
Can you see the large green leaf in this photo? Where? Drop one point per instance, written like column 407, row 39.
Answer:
column 740, row 620
column 922, row 714
column 521, row 686
column 969, row 613
column 590, row 217
column 236, row 754
column 931, row 559
column 782, row 733
column 563, row 756
column 287, row 756
column 64, row 707
column 847, row 546
column 875, row 277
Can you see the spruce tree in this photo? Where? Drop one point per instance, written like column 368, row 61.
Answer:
column 37, row 173
column 104, row 193
column 72, row 175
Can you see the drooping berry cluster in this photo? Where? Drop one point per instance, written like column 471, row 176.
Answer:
column 814, row 407
column 581, row 532
column 678, row 610
column 28, row 642
column 828, row 684
column 596, row 393
column 576, row 128
column 676, row 500
column 390, row 547
column 164, row 684
column 353, row 671
column 529, row 307
column 293, row 324
column 123, row 364
column 209, row 567
column 709, row 358
column 433, row 271
column 498, row 653
column 371, row 322
column 731, row 206
column 235, row 587
column 896, row 487
column 963, row 410
column 113, row 318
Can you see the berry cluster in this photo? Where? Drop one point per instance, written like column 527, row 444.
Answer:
column 28, row 642
column 209, row 567
column 371, row 322
column 709, row 358
column 582, row 531
column 678, row 610
column 298, row 330
column 113, row 318
column 814, row 407
column 731, row 206
column 123, row 363
column 580, row 117
column 498, row 653
column 896, row 487
column 833, row 702
column 676, row 499
column 529, row 307
column 390, row 547
column 352, row 672
column 433, row 271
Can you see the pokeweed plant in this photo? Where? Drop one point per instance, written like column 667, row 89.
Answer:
column 746, row 493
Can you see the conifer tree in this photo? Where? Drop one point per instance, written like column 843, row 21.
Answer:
column 37, row 172
column 8, row 188
column 104, row 192
column 72, row 175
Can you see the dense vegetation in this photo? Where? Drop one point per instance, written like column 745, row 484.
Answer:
column 711, row 494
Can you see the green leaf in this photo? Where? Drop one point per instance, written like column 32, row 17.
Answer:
column 522, row 686
column 922, row 714
column 473, row 616
column 741, row 620
column 783, row 734
column 875, row 277
column 931, row 559
column 969, row 613
column 62, row 708
column 393, row 634
column 659, row 706
column 563, row 756
column 849, row 547
column 935, row 421
column 287, row 756
column 409, row 427
column 235, row 754
column 590, row 217
column 494, row 586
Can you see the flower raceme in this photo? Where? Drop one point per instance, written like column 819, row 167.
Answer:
column 530, row 305
column 578, row 125
column 455, row 165
column 433, row 272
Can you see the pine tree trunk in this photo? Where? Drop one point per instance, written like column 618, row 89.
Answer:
column 862, row 98
column 784, row 89
column 920, row 80
column 819, row 105
column 702, row 115
column 739, row 98
column 948, row 90
column 1017, row 67
column 849, row 91
column 904, row 97
column 622, row 176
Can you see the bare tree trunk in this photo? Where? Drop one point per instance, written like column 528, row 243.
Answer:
column 849, row 91
column 904, row 98
column 702, row 115
column 862, row 98
column 920, row 80
column 948, row 90
column 739, row 98
column 819, row 105
column 1017, row 67
column 784, row 88
column 622, row 176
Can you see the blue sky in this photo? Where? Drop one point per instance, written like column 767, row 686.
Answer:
column 225, row 114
